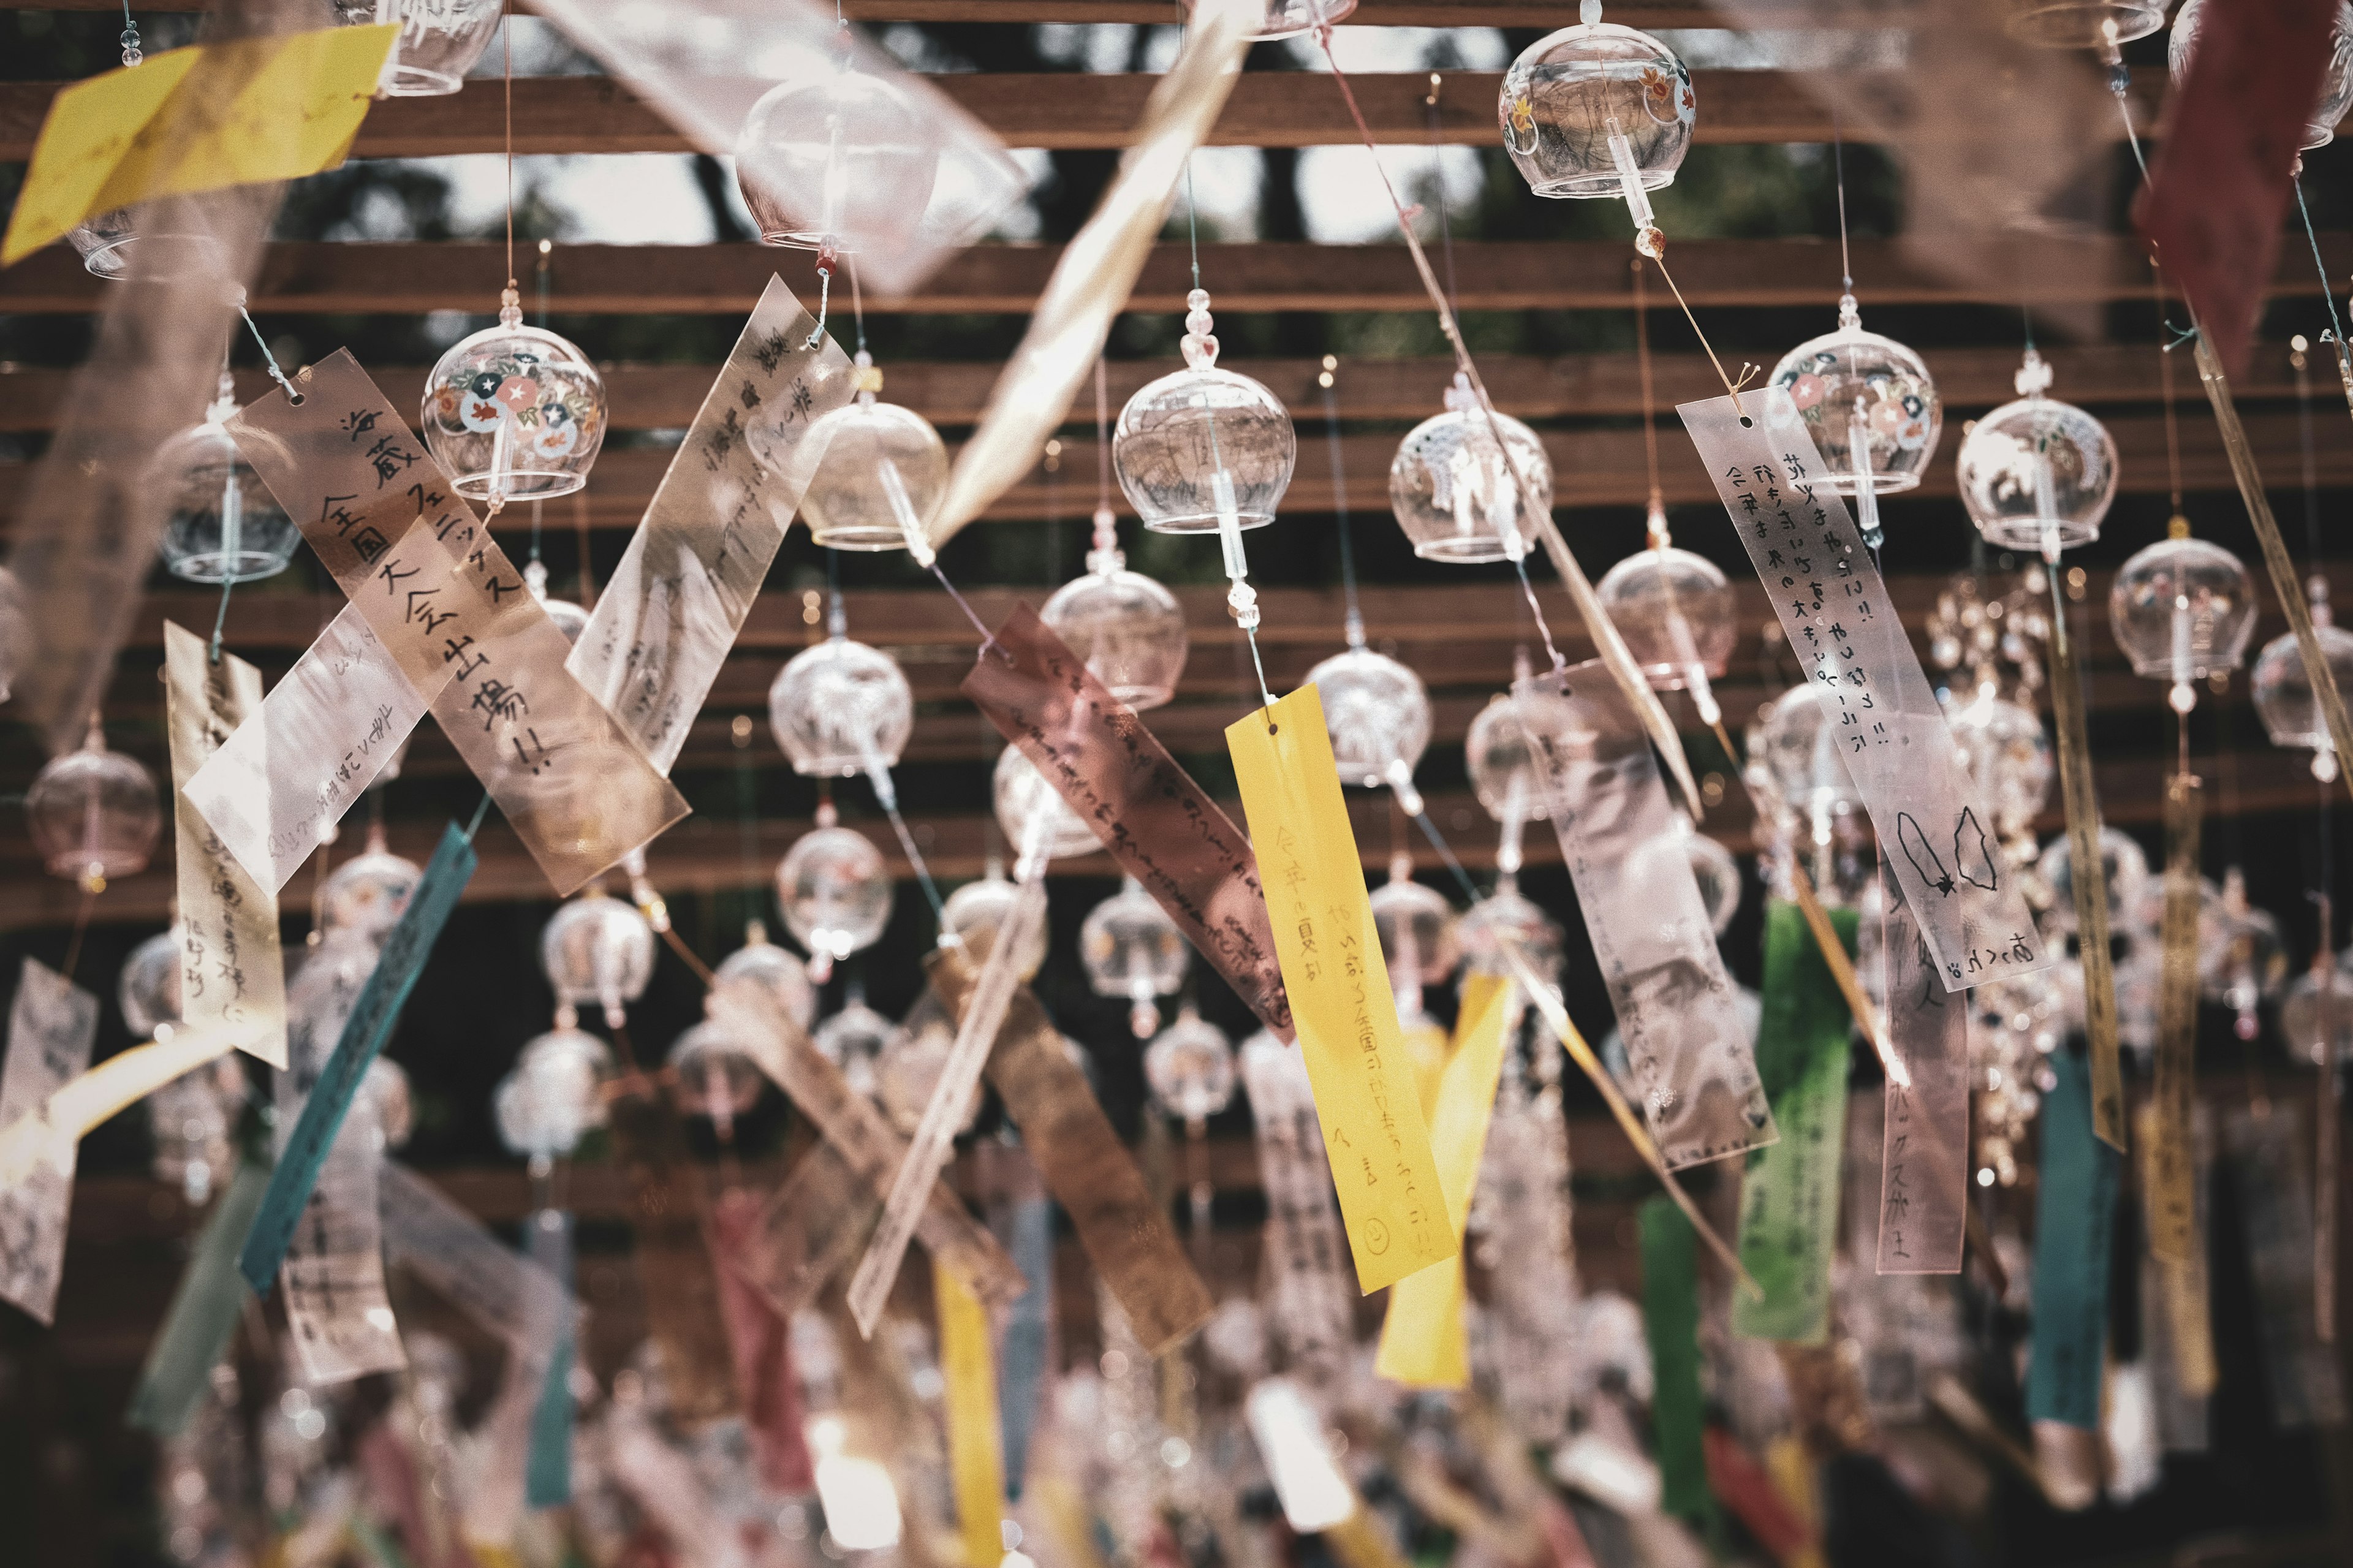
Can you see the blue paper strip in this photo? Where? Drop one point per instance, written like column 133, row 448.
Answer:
column 547, row 1472
column 1022, row 1354
column 370, row 1024
column 2074, row 1213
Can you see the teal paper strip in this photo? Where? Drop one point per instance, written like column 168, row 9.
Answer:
column 2074, row 1213
column 547, row 1472
column 370, row 1024
column 1021, row 1351
column 1790, row 1194
column 1671, row 1322
column 203, row 1313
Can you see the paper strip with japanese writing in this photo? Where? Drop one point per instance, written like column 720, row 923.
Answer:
column 327, row 1083
column 456, row 619
column 676, row 1271
column 1886, row 723
column 1309, row 1308
column 51, row 1027
column 1924, row 1180
column 868, row 1151
column 231, row 970
column 1161, row 827
column 1789, row 1191
column 1675, row 1004
column 277, row 786
column 1423, row 1343
column 2074, row 1213
column 1085, row 1165
column 1345, row 1008
column 664, row 622
column 2171, row 1187
column 205, row 1311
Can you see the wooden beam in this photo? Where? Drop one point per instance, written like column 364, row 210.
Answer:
column 408, row 279
column 1056, row 110
column 1601, row 385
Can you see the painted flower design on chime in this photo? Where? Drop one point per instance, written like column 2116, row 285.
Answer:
column 2335, row 98
column 223, row 523
column 1451, row 486
column 93, row 813
column 1202, row 446
column 2182, row 610
column 2038, row 474
column 1586, row 106
column 839, row 708
column 834, row 891
column 1868, row 402
column 439, row 42
column 596, row 949
column 875, row 471
column 1130, row 948
column 514, row 412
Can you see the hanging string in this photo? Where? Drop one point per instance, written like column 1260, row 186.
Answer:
column 824, row 265
column 506, row 38
column 580, row 531
column 131, row 54
column 1328, row 380
column 1438, row 183
column 1103, row 451
column 2328, row 296
column 2165, row 384
column 269, row 360
column 879, row 772
column 1838, row 168
column 857, row 305
column 1649, row 402
column 82, row 920
column 540, row 279
column 747, row 825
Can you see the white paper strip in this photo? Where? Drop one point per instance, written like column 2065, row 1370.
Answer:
column 50, row 1028
column 291, row 770
column 1935, row 834
column 1311, row 1287
column 663, row 625
column 455, row 1253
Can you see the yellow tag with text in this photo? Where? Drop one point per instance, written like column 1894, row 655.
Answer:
column 1422, row 1341
column 976, row 1446
column 1341, row 1002
column 198, row 118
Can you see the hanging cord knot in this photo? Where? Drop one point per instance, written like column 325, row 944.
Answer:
column 827, row 261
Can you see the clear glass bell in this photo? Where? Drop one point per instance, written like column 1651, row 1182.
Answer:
column 1189, row 1066
column 149, row 989
column 1418, row 928
column 554, row 1095
column 839, row 707
column 93, row 813
column 1018, row 789
column 908, row 1071
column 192, row 1122
column 1582, row 104
column 2241, row 961
column 1508, row 914
column 597, row 949
column 384, row 1084
column 2181, row 610
column 1201, row 443
column 836, row 158
column 1649, row 592
column 223, row 522
column 1861, row 393
column 1130, row 947
column 853, row 1040
column 107, row 241
column 514, row 412
column 2300, row 1019
column 16, row 631
column 2008, row 756
column 439, row 41
column 2038, row 474
column 836, row 892
column 715, row 1076
column 1289, row 18
column 367, row 892
column 2083, row 23
column 1798, row 744
column 1503, row 773
column 784, row 976
column 1377, row 712
column 2284, row 695
column 2122, row 862
column 1452, row 491
column 2335, row 95
column 880, row 470
column 1129, row 629
column 1717, row 870
column 975, row 912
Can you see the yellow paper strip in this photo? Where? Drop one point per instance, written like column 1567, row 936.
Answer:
column 199, row 119
column 1422, row 1339
column 114, row 1085
column 1341, row 1002
column 976, row 1444
column 232, row 971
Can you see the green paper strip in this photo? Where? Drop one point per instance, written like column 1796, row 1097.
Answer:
column 365, row 1032
column 1670, row 1321
column 1790, row 1196
column 547, row 1472
column 203, row 1313
column 2074, row 1212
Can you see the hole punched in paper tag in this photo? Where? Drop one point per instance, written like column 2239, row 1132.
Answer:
column 1885, row 721
column 455, row 616
column 1676, row 1008
column 665, row 621
column 1345, row 1010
